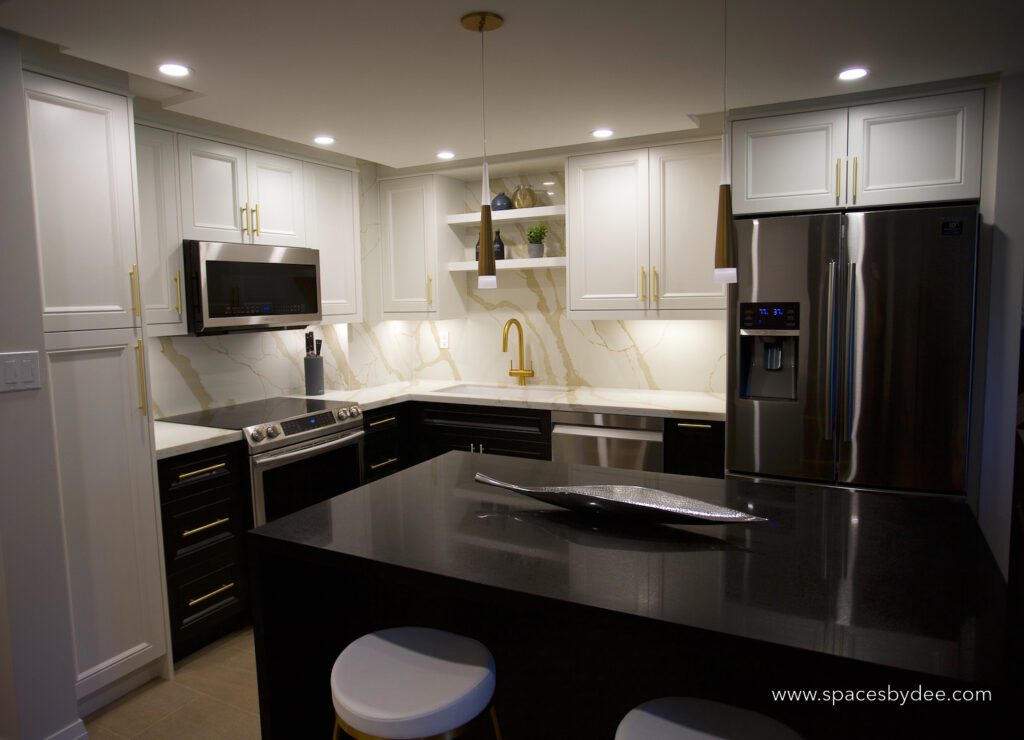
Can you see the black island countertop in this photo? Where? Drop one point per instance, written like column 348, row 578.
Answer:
column 897, row 581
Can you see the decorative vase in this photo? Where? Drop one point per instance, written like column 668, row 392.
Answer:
column 501, row 202
column 535, row 250
column 523, row 197
column 499, row 246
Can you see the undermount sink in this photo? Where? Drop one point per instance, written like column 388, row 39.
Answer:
column 503, row 391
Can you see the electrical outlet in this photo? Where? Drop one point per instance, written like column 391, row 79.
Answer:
column 444, row 340
column 19, row 371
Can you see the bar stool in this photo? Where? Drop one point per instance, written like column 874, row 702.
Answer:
column 687, row 718
column 412, row 682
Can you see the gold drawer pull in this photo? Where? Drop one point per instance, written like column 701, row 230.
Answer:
column 687, row 425
column 194, row 473
column 386, row 462
column 215, row 592
column 383, row 421
column 211, row 525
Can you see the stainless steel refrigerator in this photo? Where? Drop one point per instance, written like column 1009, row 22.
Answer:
column 850, row 357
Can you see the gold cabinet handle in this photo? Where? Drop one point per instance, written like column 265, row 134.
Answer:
column 194, row 473
column 855, row 181
column 430, row 298
column 177, row 289
column 472, row 447
column 689, row 425
column 382, row 421
column 211, row 525
column 643, row 283
column 133, row 276
column 481, row 448
column 215, row 592
column 839, row 170
column 382, row 464
column 654, row 281
column 245, row 218
column 256, row 220
column 141, row 370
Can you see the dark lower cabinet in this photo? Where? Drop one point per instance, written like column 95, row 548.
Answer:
column 206, row 508
column 496, row 430
column 385, row 446
column 695, row 447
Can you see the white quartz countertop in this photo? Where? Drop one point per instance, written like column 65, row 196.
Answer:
column 175, row 439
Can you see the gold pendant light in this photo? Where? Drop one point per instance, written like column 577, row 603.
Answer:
column 725, row 240
column 481, row 22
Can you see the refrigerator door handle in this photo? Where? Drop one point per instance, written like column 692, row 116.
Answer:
column 830, row 352
column 850, row 342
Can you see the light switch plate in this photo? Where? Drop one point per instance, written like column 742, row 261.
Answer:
column 19, row 371
column 444, row 340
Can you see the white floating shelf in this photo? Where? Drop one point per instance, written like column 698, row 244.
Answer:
column 536, row 263
column 511, row 216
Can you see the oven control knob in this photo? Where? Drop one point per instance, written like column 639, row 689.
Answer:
column 342, row 414
column 257, row 435
column 272, row 432
column 356, row 411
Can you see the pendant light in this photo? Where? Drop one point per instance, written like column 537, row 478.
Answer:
column 725, row 243
column 482, row 22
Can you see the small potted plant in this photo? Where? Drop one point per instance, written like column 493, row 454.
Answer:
column 535, row 236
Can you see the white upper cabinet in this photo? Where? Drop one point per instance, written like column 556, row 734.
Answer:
column 80, row 141
column 906, row 151
column 641, row 233
column 214, row 206
column 332, row 226
column 684, row 182
column 416, row 246
column 160, row 257
column 913, row 151
column 607, row 231
column 276, row 206
column 789, row 163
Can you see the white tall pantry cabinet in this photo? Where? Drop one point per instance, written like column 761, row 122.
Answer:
column 82, row 180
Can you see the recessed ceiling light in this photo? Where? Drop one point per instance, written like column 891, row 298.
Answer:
column 548, row 182
column 551, row 192
column 323, row 139
column 602, row 133
column 853, row 73
column 445, row 154
column 173, row 69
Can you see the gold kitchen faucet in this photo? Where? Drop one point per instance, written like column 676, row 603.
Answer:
column 520, row 373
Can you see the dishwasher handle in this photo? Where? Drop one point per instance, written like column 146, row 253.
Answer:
column 638, row 435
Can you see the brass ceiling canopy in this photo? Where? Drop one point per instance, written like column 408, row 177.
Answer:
column 481, row 21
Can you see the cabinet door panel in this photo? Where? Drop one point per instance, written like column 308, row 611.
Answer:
column 160, row 258
column 920, row 150
column 108, row 505
column 275, row 186
column 789, row 163
column 213, row 187
column 684, row 204
column 332, row 226
column 82, row 185
column 608, row 237
column 407, row 243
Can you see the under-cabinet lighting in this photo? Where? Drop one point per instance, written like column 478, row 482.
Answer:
column 602, row 133
column 173, row 69
column 853, row 73
column 548, row 182
column 445, row 154
column 323, row 139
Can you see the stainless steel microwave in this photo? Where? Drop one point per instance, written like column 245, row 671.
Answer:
column 248, row 287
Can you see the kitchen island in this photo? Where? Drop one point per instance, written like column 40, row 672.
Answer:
column 588, row 617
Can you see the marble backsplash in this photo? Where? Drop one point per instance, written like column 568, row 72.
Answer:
column 190, row 373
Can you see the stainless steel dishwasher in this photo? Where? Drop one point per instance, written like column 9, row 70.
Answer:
column 608, row 440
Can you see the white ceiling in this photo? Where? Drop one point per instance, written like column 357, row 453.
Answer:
column 394, row 81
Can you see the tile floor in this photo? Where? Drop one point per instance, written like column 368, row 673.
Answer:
column 213, row 695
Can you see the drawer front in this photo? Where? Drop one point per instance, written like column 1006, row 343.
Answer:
column 438, row 444
column 195, row 524
column 382, row 454
column 695, row 447
column 483, row 420
column 185, row 475
column 382, row 419
column 206, row 602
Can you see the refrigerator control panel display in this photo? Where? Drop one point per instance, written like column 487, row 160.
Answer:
column 770, row 316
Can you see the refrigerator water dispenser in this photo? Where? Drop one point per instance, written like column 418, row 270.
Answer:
column 769, row 348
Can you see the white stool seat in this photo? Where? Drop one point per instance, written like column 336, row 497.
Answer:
column 411, row 682
column 679, row 718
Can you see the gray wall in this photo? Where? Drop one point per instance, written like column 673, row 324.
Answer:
column 37, row 672
column 996, row 485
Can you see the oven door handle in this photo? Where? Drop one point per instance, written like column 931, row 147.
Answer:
column 273, row 460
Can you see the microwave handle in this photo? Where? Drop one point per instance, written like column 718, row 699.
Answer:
column 271, row 460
